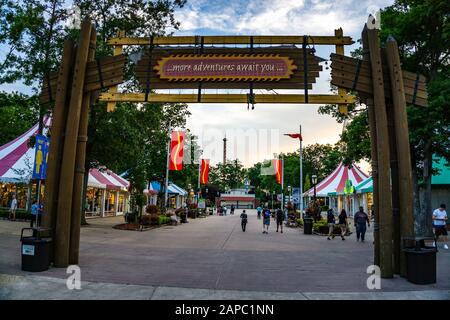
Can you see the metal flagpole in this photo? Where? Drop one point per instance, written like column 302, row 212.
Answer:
column 300, row 190
column 38, row 196
column 166, row 185
column 282, row 182
column 198, row 186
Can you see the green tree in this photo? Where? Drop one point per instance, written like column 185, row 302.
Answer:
column 18, row 113
column 32, row 32
column 307, row 183
column 422, row 30
column 229, row 175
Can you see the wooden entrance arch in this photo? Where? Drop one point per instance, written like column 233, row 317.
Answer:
column 377, row 80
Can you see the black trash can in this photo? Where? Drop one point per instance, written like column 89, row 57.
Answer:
column 420, row 260
column 35, row 250
column 307, row 225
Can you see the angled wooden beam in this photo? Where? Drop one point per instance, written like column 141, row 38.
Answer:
column 223, row 40
column 63, row 220
column 78, row 192
column 59, row 118
column 384, row 179
column 228, row 98
column 403, row 147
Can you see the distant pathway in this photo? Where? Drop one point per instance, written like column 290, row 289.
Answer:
column 213, row 253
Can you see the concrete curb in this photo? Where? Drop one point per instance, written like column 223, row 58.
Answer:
column 32, row 287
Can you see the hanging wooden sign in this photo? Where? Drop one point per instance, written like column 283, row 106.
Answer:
column 222, row 67
column 281, row 67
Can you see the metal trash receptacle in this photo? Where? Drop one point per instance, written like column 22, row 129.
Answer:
column 307, row 225
column 35, row 250
column 420, row 260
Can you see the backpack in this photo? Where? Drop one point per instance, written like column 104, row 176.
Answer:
column 267, row 214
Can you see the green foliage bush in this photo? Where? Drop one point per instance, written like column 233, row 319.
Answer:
column 299, row 222
column 318, row 226
column 163, row 220
column 152, row 209
column 20, row 213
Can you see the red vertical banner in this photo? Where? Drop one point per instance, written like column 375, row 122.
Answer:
column 278, row 165
column 204, row 171
column 176, row 151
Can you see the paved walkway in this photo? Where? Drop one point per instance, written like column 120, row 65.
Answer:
column 212, row 257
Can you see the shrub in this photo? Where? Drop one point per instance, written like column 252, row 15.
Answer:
column 152, row 209
column 20, row 213
column 146, row 220
column 299, row 222
column 319, row 225
column 322, row 227
column 324, row 208
column 163, row 220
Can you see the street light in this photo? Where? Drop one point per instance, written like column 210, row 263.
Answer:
column 314, row 181
column 273, row 195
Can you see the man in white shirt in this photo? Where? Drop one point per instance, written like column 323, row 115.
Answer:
column 440, row 224
column 12, row 208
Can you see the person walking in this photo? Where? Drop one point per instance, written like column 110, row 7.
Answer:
column 360, row 220
column 258, row 212
column 343, row 223
column 266, row 221
column 331, row 222
column 13, row 208
column 280, row 219
column 35, row 216
column 244, row 219
column 232, row 209
column 440, row 224
column 225, row 210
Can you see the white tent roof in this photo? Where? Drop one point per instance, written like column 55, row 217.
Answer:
column 17, row 159
column 335, row 182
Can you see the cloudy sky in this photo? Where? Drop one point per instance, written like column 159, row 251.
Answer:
column 256, row 135
column 270, row 122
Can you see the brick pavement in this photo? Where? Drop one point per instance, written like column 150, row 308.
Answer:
column 214, row 254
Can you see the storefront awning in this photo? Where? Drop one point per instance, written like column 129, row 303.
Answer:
column 108, row 179
column 155, row 187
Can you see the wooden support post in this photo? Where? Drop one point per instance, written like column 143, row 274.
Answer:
column 62, row 234
column 394, row 189
column 403, row 147
column 339, row 33
column 374, row 156
column 59, row 118
column 374, row 163
column 118, row 49
column 78, row 185
column 384, row 180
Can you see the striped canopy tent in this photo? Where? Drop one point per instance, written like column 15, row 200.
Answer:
column 106, row 179
column 17, row 159
column 365, row 186
column 335, row 182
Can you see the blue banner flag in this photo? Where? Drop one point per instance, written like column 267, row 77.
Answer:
column 40, row 158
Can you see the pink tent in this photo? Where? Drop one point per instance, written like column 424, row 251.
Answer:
column 17, row 159
column 335, row 182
